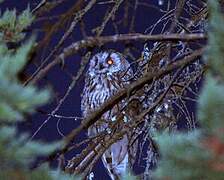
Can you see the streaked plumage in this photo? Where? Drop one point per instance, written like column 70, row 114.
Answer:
column 108, row 72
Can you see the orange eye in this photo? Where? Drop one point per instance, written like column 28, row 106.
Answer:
column 110, row 61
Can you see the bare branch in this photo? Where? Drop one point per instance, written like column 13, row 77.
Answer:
column 96, row 41
column 121, row 95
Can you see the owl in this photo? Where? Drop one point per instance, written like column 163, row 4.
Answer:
column 108, row 72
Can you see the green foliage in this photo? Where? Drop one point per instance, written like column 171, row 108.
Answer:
column 16, row 99
column 211, row 104
column 183, row 157
column 16, row 174
column 216, row 37
column 43, row 173
column 16, row 150
column 3, row 49
column 11, row 25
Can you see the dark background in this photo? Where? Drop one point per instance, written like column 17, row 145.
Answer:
column 58, row 78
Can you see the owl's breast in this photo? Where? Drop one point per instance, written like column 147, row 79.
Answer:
column 97, row 91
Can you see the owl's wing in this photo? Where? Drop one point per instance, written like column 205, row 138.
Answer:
column 85, row 105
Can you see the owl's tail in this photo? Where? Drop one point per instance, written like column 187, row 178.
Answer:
column 115, row 171
column 116, row 159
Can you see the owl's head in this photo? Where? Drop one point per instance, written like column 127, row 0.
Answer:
column 107, row 63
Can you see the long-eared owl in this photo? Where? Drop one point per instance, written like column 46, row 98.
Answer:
column 108, row 72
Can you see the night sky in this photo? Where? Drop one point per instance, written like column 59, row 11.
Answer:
column 58, row 79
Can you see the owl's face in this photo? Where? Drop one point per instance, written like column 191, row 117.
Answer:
column 107, row 63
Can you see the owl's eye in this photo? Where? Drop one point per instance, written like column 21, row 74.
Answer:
column 110, row 61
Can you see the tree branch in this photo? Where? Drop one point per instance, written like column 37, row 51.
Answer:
column 123, row 93
column 97, row 41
